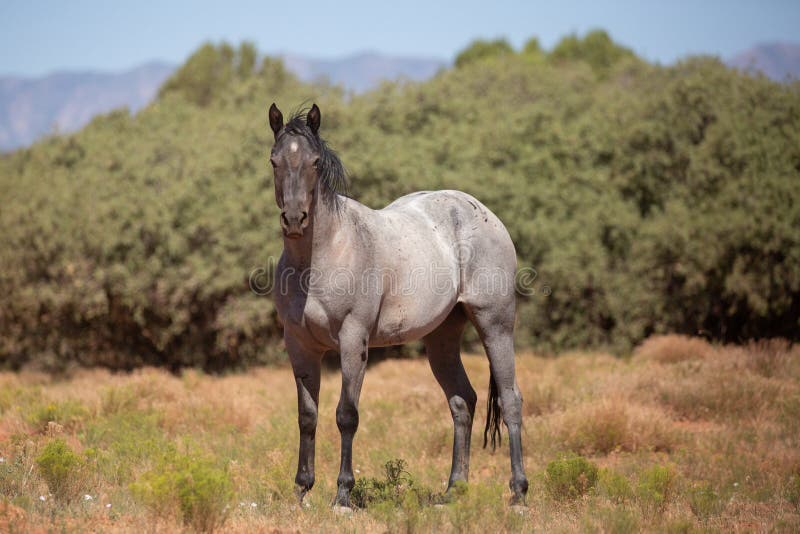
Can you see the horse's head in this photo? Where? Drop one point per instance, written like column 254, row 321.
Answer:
column 295, row 162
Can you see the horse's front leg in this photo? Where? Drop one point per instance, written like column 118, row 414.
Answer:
column 306, row 368
column 353, row 350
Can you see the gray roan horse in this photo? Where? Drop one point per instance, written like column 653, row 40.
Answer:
column 352, row 278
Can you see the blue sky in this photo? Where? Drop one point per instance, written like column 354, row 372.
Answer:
column 37, row 36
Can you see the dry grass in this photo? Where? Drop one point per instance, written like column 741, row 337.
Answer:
column 720, row 422
column 673, row 348
column 610, row 424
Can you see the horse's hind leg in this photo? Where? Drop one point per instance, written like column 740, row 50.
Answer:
column 442, row 346
column 494, row 321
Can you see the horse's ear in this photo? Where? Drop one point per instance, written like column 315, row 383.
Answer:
column 313, row 118
column 275, row 119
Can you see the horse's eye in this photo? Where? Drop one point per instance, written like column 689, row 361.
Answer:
column 273, row 162
column 316, row 163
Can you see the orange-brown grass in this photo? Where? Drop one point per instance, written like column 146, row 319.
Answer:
column 673, row 348
column 720, row 422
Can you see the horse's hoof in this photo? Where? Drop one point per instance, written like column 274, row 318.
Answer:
column 517, row 500
column 520, row 509
column 455, row 489
column 342, row 510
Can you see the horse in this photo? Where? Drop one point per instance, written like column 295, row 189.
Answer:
column 352, row 278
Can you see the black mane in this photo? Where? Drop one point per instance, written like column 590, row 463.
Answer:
column 332, row 174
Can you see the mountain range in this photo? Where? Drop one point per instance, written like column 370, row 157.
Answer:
column 779, row 61
column 66, row 101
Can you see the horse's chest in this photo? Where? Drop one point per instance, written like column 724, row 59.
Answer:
column 308, row 317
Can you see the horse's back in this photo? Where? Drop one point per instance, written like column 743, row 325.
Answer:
column 474, row 232
column 474, row 237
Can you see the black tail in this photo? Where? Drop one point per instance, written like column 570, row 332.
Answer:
column 493, row 415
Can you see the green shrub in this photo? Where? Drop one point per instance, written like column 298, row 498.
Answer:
column 570, row 477
column 613, row 486
column 69, row 414
column 704, row 501
column 615, row 520
column 655, row 488
column 479, row 507
column 398, row 488
column 12, row 477
column 62, row 469
column 193, row 489
column 793, row 491
column 123, row 441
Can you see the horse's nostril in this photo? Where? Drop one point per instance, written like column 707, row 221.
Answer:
column 304, row 217
column 284, row 219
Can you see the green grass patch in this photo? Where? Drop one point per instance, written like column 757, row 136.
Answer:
column 614, row 486
column 397, row 488
column 70, row 414
column 793, row 491
column 123, row 442
column 655, row 488
column 194, row 489
column 62, row 469
column 704, row 500
column 570, row 477
column 612, row 519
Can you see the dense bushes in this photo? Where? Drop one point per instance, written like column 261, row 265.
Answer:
column 196, row 491
column 648, row 199
column 60, row 467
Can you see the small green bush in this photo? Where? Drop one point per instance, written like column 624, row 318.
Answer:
column 570, row 477
column 12, row 476
column 194, row 489
column 61, row 468
column 655, row 488
column 124, row 440
column 793, row 491
column 398, row 488
column 479, row 506
column 613, row 486
column 69, row 414
column 119, row 400
column 615, row 519
column 704, row 501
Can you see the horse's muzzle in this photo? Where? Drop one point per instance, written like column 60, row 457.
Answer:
column 293, row 224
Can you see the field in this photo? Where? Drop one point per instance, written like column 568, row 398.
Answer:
column 681, row 436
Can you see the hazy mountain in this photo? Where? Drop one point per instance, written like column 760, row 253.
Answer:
column 364, row 71
column 779, row 61
column 65, row 101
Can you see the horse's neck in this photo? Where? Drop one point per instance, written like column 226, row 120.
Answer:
column 328, row 226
